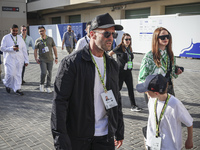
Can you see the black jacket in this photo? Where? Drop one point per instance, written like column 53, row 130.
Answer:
column 73, row 105
column 122, row 57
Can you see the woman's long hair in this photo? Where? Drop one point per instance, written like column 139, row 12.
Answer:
column 122, row 42
column 155, row 50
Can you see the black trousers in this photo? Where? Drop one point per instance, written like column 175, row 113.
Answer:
column 95, row 143
column 23, row 70
column 126, row 76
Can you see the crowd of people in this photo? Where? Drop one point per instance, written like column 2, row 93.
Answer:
column 87, row 108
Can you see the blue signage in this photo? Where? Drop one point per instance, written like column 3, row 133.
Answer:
column 78, row 28
column 192, row 51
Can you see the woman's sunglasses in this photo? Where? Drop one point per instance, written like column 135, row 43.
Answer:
column 107, row 34
column 164, row 36
column 127, row 39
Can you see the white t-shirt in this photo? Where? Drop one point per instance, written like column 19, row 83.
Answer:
column 170, row 125
column 101, row 119
column 82, row 42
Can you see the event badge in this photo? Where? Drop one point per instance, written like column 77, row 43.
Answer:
column 46, row 49
column 156, row 143
column 109, row 99
column 125, row 66
column 130, row 64
column 43, row 50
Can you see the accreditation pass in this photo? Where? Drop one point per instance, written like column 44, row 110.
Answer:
column 109, row 99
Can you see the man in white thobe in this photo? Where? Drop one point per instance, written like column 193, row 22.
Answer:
column 84, row 40
column 15, row 54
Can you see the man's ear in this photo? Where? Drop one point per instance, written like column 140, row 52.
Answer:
column 92, row 35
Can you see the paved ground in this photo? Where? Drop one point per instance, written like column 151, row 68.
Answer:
column 25, row 120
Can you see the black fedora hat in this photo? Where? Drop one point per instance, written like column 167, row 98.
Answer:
column 104, row 21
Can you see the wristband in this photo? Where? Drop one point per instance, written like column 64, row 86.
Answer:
column 56, row 57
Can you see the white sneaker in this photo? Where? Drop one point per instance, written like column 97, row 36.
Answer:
column 42, row 88
column 49, row 90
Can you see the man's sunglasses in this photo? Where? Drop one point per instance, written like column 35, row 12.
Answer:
column 107, row 34
column 164, row 36
column 41, row 31
column 24, row 30
column 127, row 39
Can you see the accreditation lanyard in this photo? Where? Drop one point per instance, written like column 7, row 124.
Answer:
column 14, row 39
column 161, row 115
column 165, row 63
column 86, row 39
column 102, row 79
column 128, row 53
column 24, row 38
column 44, row 42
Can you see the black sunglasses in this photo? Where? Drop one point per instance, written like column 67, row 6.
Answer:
column 107, row 34
column 41, row 31
column 127, row 39
column 162, row 37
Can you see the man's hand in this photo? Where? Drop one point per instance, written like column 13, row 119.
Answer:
column 26, row 64
column 15, row 48
column 56, row 61
column 62, row 47
column 188, row 144
column 118, row 143
column 37, row 60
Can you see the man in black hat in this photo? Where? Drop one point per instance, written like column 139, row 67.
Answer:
column 81, row 117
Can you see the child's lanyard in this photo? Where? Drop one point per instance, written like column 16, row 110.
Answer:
column 14, row 40
column 102, row 79
column 161, row 115
column 44, row 42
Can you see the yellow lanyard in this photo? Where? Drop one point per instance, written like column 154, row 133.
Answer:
column 161, row 115
column 102, row 79
column 14, row 40
column 24, row 38
column 44, row 42
column 165, row 63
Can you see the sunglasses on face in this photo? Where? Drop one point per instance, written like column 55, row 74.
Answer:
column 162, row 37
column 107, row 34
column 127, row 39
column 24, row 30
column 41, row 31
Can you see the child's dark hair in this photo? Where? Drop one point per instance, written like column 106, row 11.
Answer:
column 165, row 90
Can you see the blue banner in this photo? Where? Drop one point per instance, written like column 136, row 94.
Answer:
column 192, row 51
column 79, row 29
